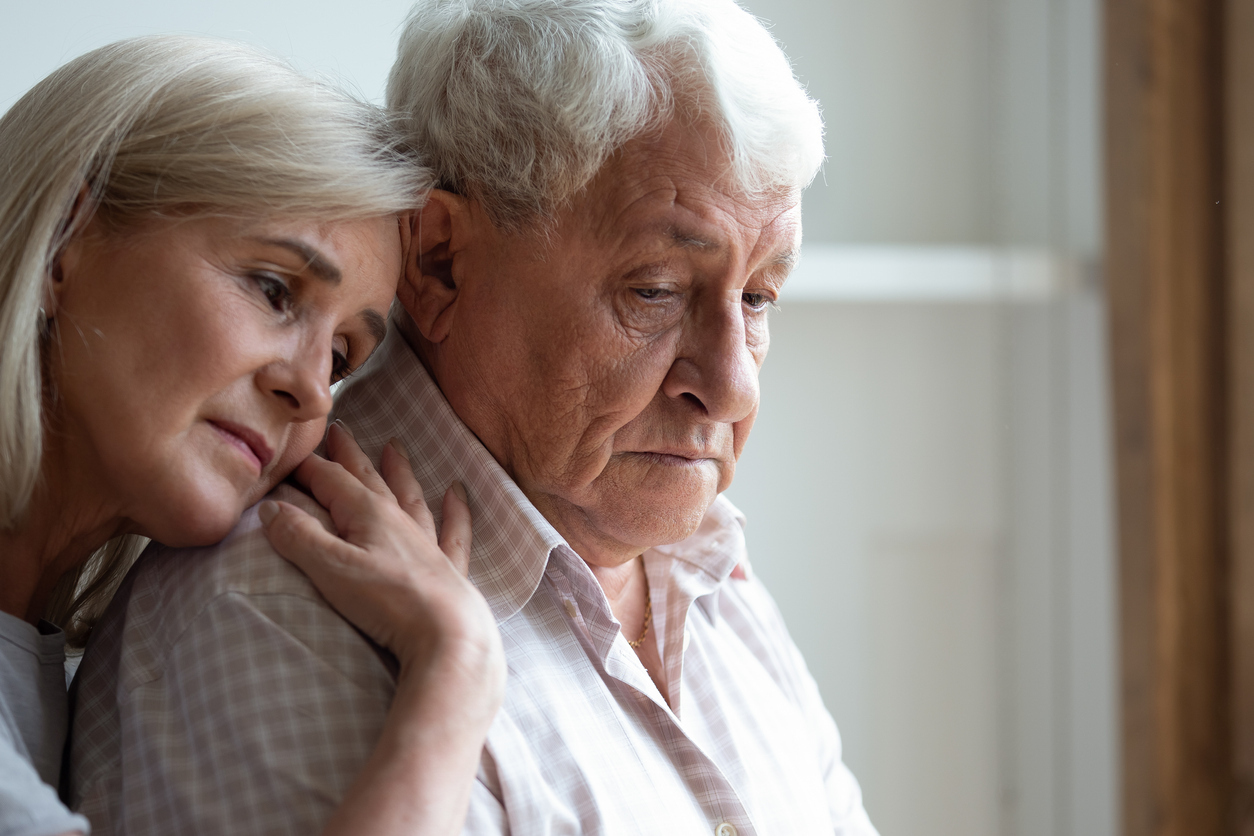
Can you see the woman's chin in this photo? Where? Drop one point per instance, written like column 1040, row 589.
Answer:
column 208, row 523
column 258, row 492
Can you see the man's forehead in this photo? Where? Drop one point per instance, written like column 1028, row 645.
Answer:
column 685, row 169
column 702, row 219
column 688, row 210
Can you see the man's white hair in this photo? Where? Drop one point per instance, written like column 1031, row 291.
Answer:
column 518, row 103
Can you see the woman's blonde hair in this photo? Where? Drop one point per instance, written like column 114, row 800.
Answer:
column 163, row 125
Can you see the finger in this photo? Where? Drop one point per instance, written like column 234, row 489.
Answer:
column 353, row 506
column 455, row 528
column 399, row 475
column 302, row 540
column 344, row 450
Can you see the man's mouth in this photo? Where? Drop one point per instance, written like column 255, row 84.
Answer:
column 674, row 457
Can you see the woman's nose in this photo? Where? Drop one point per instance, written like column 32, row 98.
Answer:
column 302, row 382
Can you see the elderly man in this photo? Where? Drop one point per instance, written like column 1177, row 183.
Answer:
column 586, row 299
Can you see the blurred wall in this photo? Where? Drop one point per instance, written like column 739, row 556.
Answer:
column 351, row 42
column 951, row 121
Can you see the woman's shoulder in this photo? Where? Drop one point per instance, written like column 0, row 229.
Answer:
column 32, row 729
column 27, row 803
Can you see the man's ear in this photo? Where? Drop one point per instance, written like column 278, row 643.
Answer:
column 429, row 288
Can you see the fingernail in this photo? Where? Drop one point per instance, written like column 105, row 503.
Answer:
column 460, row 490
column 395, row 444
column 267, row 511
column 345, row 428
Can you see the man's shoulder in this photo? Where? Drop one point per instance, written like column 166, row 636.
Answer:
column 171, row 587
column 226, row 637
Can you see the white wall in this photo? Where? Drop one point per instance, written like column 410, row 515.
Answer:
column 350, row 42
column 951, row 121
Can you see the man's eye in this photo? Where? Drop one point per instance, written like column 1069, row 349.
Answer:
column 651, row 292
column 276, row 291
column 757, row 301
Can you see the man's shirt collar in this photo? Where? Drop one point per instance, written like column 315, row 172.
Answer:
column 393, row 395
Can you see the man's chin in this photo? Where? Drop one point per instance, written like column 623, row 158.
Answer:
column 659, row 519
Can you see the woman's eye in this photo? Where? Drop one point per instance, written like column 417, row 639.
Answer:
column 756, row 301
column 340, row 368
column 276, row 291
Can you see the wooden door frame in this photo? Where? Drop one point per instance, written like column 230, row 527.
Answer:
column 1167, row 227
column 1239, row 181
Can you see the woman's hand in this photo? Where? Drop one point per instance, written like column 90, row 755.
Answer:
column 388, row 572
column 404, row 586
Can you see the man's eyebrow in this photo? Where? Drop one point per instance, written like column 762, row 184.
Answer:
column 375, row 324
column 786, row 260
column 315, row 262
column 688, row 240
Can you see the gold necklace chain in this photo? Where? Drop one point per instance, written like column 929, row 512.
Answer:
column 648, row 619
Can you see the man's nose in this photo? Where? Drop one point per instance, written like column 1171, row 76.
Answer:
column 301, row 381
column 715, row 367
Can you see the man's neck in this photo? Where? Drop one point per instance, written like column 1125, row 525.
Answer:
column 619, row 582
column 405, row 326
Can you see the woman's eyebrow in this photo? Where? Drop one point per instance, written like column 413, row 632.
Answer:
column 375, row 324
column 315, row 262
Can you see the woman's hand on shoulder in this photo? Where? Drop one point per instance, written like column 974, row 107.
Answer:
column 389, row 572
column 403, row 584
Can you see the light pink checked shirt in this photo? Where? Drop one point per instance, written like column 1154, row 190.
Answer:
column 223, row 696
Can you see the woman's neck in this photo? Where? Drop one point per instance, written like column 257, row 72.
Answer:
column 67, row 519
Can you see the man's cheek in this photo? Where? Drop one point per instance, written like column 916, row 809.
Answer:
column 740, row 433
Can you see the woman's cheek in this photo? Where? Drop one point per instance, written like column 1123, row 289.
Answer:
column 302, row 439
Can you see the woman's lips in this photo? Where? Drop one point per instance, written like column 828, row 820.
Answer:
column 248, row 442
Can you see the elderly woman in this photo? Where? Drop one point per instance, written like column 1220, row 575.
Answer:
column 196, row 242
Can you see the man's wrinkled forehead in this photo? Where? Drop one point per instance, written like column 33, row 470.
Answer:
column 698, row 221
column 774, row 246
column 673, row 190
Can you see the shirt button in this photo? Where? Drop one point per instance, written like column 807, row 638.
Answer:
column 725, row 829
column 570, row 607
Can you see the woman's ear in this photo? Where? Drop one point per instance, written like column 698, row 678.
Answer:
column 68, row 259
column 66, row 263
column 429, row 287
